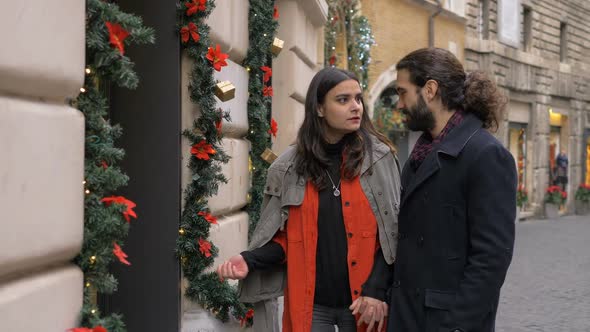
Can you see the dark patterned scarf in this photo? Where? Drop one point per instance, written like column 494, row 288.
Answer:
column 425, row 143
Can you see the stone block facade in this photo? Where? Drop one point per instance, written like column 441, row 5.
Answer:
column 549, row 69
column 42, row 169
column 301, row 27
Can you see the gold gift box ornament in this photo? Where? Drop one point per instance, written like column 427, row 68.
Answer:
column 225, row 91
column 277, row 46
column 269, row 156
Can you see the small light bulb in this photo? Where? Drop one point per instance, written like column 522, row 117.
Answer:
column 181, row 231
column 251, row 131
column 87, row 284
column 265, row 35
column 82, row 90
column 87, row 191
column 83, row 182
column 88, row 71
column 93, row 311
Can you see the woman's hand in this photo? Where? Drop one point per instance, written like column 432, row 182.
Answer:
column 371, row 310
column 234, row 268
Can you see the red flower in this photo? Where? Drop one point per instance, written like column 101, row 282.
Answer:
column 117, row 35
column 205, row 247
column 194, row 6
column 210, row 218
column 249, row 315
column 332, row 60
column 564, row 194
column 267, row 73
column 104, row 164
column 120, row 254
column 217, row 58
column 97, row 328
column 190, row 31
column 124, row 201
column 267, row 91
column 274, row 127
column 275, row 13
column 202, row 150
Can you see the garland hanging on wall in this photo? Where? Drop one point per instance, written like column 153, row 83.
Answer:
column 195, row 250
column 107, row 218
column 346, row 22
column 262, row 26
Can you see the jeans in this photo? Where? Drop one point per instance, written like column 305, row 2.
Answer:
column 325, row 318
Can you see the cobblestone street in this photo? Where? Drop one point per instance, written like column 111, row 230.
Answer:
column 548, row 283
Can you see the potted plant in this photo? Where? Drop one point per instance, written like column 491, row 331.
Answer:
column 554, row 198
column 583, row 199
column 522, row 198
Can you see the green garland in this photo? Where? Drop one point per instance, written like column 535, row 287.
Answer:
column 105, row 221
column 193, row 248
column 358, row 33
column 262, row 28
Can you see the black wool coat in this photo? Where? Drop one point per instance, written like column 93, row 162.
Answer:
column 456, row 234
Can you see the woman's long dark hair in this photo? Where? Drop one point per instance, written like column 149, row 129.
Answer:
column 312, row 160
column 474, row 93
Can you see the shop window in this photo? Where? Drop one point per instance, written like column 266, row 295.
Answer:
column 517, row 145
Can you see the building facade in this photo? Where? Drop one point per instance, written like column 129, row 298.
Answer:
column 538, row 52
column 399, row 27
column 42, row 168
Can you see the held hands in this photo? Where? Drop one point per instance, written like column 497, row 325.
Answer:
column 234, row 268
column 371, row 310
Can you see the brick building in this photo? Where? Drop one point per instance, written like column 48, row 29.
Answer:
column 538, row 53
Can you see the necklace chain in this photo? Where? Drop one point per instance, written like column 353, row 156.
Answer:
column 336, row 188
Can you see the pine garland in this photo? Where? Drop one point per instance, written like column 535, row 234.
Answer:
column 106, row 221
column 193, row 248
column 262, row 28
column 345, row 20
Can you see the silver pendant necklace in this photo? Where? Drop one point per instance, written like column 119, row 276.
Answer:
column 336, row 188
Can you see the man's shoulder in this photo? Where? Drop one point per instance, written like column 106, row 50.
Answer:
column 485, row 144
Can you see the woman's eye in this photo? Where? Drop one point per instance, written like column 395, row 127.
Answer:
column 342, row 100
column 358, row 99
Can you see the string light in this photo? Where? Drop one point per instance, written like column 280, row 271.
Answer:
column 87, row 191
column 248, row 69
column 93, row 311
column 92, row 259
column 82, row 90
column 88, row 71
column 181, row 231
column 84, row 182
column 87, row 284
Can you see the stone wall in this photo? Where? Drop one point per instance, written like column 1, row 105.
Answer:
column 538, row 77
column 301, row 28
column 42, row 168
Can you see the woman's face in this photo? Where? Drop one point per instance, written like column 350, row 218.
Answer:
column 342, row 110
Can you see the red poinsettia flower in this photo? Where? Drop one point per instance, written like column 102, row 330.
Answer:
column 217, row 58
column 189, row 31
column 122, row 256
column 209, row 217
column 275, row 13
column 249, row 315
column 117, row 35
column 202, row 150
column 205, row 247
column 564, row 194
column 80, row 329
column 274, row 127
column 124, row 201
column 332, row 60
column 99, row 329
column 267, row 91
column 104, row 164
column 194, row 6
column 267, row 73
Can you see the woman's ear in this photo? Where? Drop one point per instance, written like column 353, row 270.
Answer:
column 320, row 111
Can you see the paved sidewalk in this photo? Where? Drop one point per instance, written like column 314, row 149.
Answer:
column 548, row 283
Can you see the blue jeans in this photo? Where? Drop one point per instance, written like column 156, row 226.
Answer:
column 325, row 318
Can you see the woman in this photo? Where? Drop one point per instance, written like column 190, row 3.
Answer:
column 329, row 218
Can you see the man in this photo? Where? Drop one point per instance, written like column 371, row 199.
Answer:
column 561, row 166
column 458, row 202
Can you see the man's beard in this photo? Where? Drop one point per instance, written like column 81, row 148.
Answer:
column 419, row 118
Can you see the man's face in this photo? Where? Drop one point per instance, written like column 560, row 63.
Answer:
column 412, row 104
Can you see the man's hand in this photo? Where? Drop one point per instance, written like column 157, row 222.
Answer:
column 371, row 310
column 234, row 268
